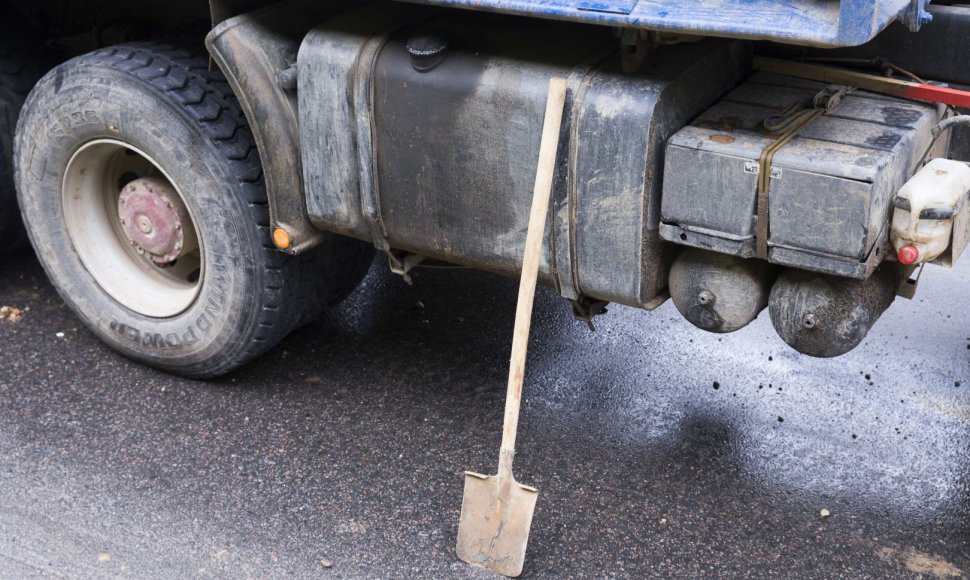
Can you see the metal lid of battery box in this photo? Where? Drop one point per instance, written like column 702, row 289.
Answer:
column 831, row 186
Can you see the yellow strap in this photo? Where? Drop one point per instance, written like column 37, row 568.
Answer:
column 789, row 122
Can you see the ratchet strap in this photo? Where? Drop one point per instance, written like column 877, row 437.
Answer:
column 786, row 125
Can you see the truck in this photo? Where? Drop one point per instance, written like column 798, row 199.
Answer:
column 198, row 179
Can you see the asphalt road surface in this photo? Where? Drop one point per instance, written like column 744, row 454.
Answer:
column 658, row 450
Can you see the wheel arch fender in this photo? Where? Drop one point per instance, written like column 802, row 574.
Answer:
column 252, row 49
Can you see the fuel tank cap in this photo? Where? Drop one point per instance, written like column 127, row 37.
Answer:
column 427, row 51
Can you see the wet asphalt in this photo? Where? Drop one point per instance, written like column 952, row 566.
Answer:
column 658, row 450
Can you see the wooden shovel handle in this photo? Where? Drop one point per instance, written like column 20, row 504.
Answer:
column 548, row 149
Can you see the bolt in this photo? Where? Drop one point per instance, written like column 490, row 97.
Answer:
column 809, row 321
column 287, row 79
column 706, row 298
column 925, row 17
column 145, row 224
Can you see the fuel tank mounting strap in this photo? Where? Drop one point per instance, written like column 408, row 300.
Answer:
column 564, row 201
column 366, row 153
column 786, row 124
column 363, row 87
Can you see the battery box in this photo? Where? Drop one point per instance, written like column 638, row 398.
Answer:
column 831, row 186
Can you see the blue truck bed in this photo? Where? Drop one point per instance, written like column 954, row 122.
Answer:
column 824, row 23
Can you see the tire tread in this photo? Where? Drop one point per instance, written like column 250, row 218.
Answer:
column 287, row 291
column 19, row 71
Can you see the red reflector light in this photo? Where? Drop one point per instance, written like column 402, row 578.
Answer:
column 908, row 254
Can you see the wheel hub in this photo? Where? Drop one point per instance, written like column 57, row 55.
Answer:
column 155, row 220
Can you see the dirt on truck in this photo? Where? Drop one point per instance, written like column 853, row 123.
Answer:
column 200, row 179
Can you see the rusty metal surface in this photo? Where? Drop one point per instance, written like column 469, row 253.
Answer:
column 347, row 443
column 155, row 220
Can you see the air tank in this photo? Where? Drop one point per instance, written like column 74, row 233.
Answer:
column 826, row 316
column 719, row 292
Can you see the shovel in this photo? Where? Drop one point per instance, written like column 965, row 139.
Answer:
column 496, row 511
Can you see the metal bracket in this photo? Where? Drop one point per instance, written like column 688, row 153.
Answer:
column 907, row 288
column 402, row 263
column 830, row 97
column 586, row 309
column 635, row 46
column 916, row 15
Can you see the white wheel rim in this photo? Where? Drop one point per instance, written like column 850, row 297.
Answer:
column 90, row 191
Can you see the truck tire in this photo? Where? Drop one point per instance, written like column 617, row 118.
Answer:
column 18, row 73
column 142, row 192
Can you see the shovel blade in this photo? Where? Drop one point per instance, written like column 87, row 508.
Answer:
column 496, row 515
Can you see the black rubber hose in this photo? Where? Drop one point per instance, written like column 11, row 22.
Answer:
column 950, row 122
